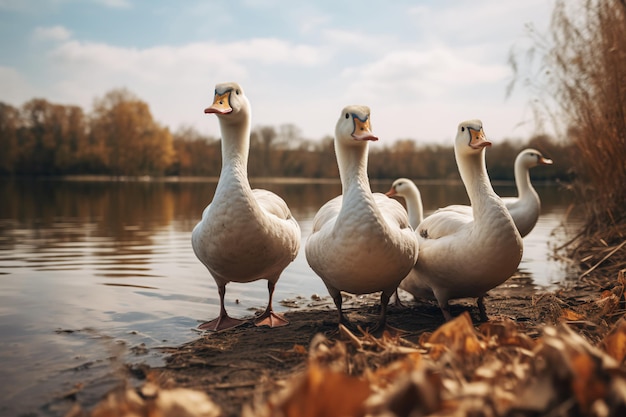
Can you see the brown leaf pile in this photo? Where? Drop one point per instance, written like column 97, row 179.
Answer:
column 460, row 371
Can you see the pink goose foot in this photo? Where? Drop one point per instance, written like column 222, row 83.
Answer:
column 223, row 322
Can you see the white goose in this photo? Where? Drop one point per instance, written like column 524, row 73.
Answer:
column 245, row 234
column 361, row 242
column 526, row 206
column 405, row 188
column 466, row 254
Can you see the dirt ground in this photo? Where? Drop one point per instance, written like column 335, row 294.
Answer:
column 248, row 365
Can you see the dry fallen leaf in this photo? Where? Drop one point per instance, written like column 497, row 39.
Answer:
column 299, row 349
column 413, row 393
column 608, row 304
column 570, row 315
column 386, row 375
column 577, row 369
column 505, row 332
column 154, row 401
column 588, row 382
column 457, row 336
column 322, row 392
column 614, row 342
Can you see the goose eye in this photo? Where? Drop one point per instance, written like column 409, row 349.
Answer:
column 462, row 128
column 347, row 116
column 237, row 91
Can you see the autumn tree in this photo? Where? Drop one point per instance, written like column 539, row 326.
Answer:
column 9, row 122
column 261, row 141
column 37, row 137
column 195, row 154
column 133, row 142
column 71, row 138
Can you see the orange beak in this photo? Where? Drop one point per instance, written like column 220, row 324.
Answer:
column 392, row 191
column 221, row 104
column 544, row 161
column 362, row 129
column 478, row 139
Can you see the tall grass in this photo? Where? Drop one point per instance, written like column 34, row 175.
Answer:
column 581, row 88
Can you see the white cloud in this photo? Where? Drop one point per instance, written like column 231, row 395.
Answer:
column 167, row 63
column 176, row 82
column 410, row 75
column 16, row 90
column 156, row 64
column 51, row 33
column 357, row 43
column 273, row 51
column 488, row 19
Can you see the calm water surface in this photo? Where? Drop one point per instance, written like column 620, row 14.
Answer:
column 93, row 272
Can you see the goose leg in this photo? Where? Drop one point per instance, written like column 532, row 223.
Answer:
column 396, row 299
column 481, row 308
column 445, row 309
column 269, row 318
column 223, row 321
column 442, row 300
column 336, row 295
column 382, row 319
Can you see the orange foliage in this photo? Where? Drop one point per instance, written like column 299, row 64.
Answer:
column 457, row 336
column 322, row 392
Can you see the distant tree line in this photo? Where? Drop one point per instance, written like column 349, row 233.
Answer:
column 121, row 138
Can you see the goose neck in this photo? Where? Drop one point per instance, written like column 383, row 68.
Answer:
column 235, row 147
column 522, row 180
column 473, row 172
column 352, row 161
column 415, row 209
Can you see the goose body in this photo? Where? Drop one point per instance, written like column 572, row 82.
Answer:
column 244, row 234
column 361, row 242
column 465, row 254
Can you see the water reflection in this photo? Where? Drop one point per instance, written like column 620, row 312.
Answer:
column 87, row 267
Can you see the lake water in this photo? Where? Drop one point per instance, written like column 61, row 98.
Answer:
column 91, row 271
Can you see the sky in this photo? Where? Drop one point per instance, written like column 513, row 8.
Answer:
column 421, row 66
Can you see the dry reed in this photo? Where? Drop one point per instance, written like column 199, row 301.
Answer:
column 581, row 89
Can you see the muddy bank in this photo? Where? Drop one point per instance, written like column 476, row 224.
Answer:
column 249, row 366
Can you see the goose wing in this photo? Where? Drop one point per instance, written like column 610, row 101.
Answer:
column 445, row 221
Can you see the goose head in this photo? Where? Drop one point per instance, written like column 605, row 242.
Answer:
column 402, row 187
column 470, row 138
column 469, row 152
column 354, row 126
column 230, row 103
column 530, row 158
